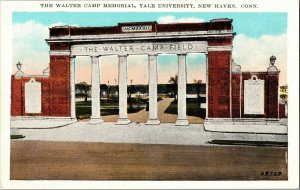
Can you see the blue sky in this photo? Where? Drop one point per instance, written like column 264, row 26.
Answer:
column 250, row 24
column 259, row 35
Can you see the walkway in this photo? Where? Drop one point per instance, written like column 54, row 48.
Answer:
column 165, row 133
column 142, row 116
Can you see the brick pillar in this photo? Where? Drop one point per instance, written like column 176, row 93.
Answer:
column 236, row 94
column 272, row 99
column 17, row 103
column 60, row 85
column 219, row 84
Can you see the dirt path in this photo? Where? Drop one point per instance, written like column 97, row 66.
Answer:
column 142, row 116
column 43, row 160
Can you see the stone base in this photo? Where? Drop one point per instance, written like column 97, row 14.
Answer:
column 153, row 122
column 123, row 121
column 245, row 125
column 40, row 122
column 15, row 131
column 94, row 121
column 283, row 121
column 182, row 122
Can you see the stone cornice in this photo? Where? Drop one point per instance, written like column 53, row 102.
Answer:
column 220, row 48
column 177, row 36
column 60, row 52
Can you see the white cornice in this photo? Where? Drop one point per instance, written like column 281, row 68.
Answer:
column 219, row 48
column 60, row 52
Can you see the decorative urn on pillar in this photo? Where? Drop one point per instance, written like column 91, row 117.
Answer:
column 272, row 67
column 19, row 73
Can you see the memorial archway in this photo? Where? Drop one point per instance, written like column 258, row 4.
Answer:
column 148, row 38
column 230, row 93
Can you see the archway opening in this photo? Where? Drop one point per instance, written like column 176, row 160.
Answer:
column 109, row 104
column 83, row 87
column 109, row 88
column 167, row 87
column 196, row 87
column 137, row 88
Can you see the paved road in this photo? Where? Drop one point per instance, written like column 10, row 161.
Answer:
column 42, row 160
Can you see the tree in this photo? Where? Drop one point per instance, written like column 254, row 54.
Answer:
column 130, row 92
column 174, row 81
column 83, row 89
column 198, row 86
column 108, row 92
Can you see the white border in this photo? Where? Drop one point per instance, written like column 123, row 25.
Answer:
column 290, row 6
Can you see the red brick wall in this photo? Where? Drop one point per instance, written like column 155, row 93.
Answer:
column 235, row 92
column 55, row 90
column 18, row 95
column 56, row 98
column 270, row 96
column 219, row 84
column 60, row 46
column 60, row 85
column 282, row 111
column 273, row 95
column 218, row 42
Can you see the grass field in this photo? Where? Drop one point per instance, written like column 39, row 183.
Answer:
column 192, row 108
column 83, row 109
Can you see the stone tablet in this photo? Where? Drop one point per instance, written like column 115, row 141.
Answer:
column 139, row 48
column 33, row 97
column 254, row 96
column 144, row 28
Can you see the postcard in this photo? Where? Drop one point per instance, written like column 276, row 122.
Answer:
column 149, row 94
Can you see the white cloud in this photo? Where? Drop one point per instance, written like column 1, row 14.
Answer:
column 172, row 19
column 253, row 54
column 29, row 46
column 138, row 69
column 196, row 67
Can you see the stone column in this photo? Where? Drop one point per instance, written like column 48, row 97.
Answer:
column 72, row 87
column 206, row 87
column 181, row 118
column 95, row 118
column 123, row 118
column 152, row 70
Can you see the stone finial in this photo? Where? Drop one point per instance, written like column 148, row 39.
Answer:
column 272, row 60
column 272, row 67
column 19, row 73
column 235, row 67
column 46, row 71
column 19, row 65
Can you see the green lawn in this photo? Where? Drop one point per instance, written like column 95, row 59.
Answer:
column 83, row 109
column 192, row 108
